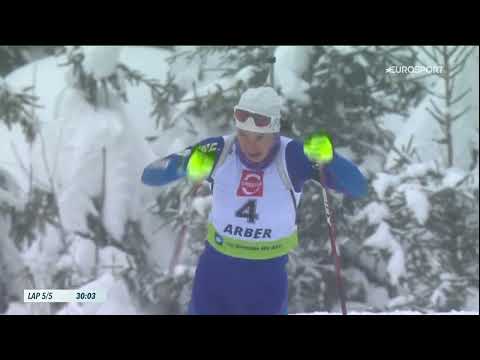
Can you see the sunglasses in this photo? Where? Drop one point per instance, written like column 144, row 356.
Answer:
column 260, row 120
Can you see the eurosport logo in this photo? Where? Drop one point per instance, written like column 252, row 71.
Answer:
column 417, row 69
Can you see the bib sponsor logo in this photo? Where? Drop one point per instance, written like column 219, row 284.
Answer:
column 251, row 184
column 218, row 239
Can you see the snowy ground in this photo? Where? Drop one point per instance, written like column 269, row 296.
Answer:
column 21, row 309
column 119, row 301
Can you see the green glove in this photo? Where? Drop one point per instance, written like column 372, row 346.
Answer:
column 200, row 164
column 319, row 148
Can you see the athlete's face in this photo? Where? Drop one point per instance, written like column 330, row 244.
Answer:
column 255, row 146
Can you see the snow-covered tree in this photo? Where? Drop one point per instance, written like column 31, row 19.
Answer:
column 86, row 164
column 14, row 275
column 422, row 225
column 13, row 57
column 17, row 106
column 423, row 230
column 443, row 105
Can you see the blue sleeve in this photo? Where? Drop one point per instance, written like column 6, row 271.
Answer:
column 299, row 168
column 173, row 167
column 340, row 174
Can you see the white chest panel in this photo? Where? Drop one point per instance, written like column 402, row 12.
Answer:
column 252, row 205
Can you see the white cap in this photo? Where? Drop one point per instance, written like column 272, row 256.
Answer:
column 262, row 100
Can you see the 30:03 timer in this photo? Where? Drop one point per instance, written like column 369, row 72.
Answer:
column 84, row 296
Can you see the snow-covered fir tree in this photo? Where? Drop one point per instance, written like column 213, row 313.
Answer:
column 87, row 216
column 422, row 225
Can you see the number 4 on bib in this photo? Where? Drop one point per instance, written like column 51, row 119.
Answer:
column 249, row 211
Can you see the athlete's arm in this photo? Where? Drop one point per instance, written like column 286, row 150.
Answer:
column 173, row 167
column 340, row 175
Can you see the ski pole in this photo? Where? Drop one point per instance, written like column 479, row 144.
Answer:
column 332, row 234
column 318, row 148
column 179, row 244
